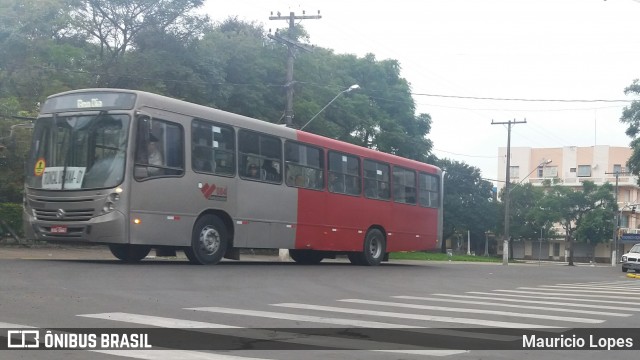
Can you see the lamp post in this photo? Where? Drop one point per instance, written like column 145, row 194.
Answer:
column 505, row 244
column 352, row 87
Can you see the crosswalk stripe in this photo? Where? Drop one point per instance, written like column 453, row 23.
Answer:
column 293, row 317
column 520, row 306
column 475, row 311
column 163, row 322
column 419, row 352
column 173, row 355
column 560, row 294
column 356, row 323
column 196, row 355
column 4, row 325
column 532, row 296
column 608, row 288
column 281, row 336
column 446, row 319
column 598, row 283
column 588, row 291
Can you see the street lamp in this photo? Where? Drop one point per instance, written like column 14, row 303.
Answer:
column 352, row 87
column 505, row 243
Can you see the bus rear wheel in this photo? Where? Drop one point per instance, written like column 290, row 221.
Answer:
column 307, row 257
column 209, row 241
column 129, row 253
column 373, row 251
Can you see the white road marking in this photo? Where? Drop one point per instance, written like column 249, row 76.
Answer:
column 307, row 318
column 562, row 294
column 163, row 322
column 519, row 306
column 356, row 323
column 588, row 291
column 280, row 336
column 446, row 319
column 475, row 311
column 501, row 296
column 173, row 355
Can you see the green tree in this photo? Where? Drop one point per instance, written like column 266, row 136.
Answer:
column 580, row 212
column 468, row 203
column 631, row 117
column 117, row 26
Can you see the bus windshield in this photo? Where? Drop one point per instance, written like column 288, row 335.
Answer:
column 77, row 152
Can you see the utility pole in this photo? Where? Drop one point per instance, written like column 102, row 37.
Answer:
column 616, row 225
column 505, row 243
column 291, row 44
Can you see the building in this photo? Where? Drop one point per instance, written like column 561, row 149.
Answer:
column 573, row 165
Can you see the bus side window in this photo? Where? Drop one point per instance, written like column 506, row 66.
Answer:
column 160, row 149
column 263, row 151
column 212, row 148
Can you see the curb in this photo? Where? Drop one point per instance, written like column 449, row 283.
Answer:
column 633, row 276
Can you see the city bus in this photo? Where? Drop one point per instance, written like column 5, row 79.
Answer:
column 138, row 171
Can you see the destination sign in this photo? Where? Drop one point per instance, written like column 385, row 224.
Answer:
column 89, row 101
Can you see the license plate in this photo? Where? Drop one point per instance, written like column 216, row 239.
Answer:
column 59, row 229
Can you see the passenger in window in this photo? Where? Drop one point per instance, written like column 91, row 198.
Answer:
column 252, row 171
column 154, row 155
column 383, row 191
column 336, row 183
column 271, row 173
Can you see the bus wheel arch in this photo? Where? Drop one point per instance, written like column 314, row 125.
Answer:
column 374, row 248
column 210, row 239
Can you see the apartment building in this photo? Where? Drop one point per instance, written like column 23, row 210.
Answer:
column 573, row 165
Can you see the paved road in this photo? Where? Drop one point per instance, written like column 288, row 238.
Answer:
column 471, row 304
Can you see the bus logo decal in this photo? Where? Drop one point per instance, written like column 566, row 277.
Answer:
column 213, row 192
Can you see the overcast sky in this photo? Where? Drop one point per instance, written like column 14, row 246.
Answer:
column 501, row 49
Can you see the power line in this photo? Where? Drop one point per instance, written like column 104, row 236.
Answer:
column 519, row 99
column 477, row 156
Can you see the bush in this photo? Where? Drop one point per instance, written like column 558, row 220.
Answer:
column 11, row 214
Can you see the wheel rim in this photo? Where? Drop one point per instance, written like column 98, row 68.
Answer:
column 375, row 247
column 209, row 240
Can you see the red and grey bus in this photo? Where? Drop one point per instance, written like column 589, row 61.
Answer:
column 140, row 171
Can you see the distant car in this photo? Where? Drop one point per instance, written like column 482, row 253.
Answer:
column 631, row 260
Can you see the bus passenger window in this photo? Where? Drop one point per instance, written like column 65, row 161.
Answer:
column 212, row 148
column 159, row 150
column 344, row 174
column 305, row 165
column 404, row 185
column 263, row 151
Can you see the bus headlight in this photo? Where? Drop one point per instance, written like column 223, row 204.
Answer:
column 112, row 200
column 108, row 207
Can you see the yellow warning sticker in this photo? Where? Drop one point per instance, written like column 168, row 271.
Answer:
column 39, row 168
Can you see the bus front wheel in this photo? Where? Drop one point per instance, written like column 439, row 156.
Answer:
column 129, row 253
column 373, row 251
column 208, row 242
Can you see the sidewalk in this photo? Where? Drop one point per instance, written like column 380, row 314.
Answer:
column 61, row 252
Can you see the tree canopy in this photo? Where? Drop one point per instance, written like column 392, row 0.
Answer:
column 166, row 47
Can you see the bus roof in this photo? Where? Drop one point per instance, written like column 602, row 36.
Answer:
column 152, row 100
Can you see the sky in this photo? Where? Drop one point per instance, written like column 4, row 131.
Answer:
column 455, row 51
